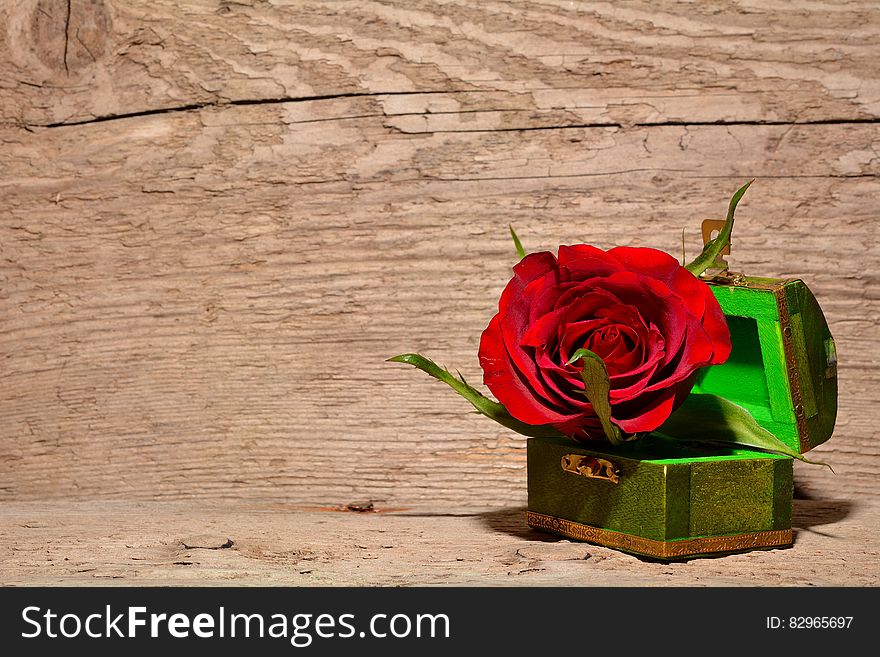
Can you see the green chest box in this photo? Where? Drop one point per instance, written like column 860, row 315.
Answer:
column 670, row 500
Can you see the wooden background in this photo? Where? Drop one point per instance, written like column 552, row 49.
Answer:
column 218, row 218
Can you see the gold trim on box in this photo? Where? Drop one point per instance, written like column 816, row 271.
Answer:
column 794, row 377
column 659, row 549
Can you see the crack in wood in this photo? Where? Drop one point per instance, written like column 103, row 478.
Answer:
column 67, row 36
column 647, row 124
column 244, row 102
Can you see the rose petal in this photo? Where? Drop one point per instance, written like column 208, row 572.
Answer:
column 648, row 262
column 567, row 383
column 543, row 332
column 585, row 426
column 535, row 265
column 508, row 385
column 630, row 385
column 715, row 324
column 533, row 272
column 656, row 303
column 574, row 335
column 582, row 261
column 649, row 414
column 627, row 354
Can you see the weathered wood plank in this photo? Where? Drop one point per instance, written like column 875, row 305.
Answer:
column 199, row 304
column 577, row 62
column 171, row 544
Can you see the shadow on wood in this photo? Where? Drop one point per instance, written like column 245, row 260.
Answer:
column 818, row 512
column 512, row 521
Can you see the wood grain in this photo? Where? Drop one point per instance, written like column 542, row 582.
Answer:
column 621, row 62
column 170, row 544
column 241, row 211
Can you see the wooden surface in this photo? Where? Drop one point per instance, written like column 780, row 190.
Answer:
column 217, row 219
column 173, row 544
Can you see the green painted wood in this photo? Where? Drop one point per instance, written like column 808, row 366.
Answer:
column 757, row 375
column 808, row 393
column 783, row 488
column 778, row 382
column 747, row 380
column 816, row 358
column 666, row 491
column 734, row 498
column 741, row 301
column 678, row 493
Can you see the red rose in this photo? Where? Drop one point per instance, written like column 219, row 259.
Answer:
column 653, row 323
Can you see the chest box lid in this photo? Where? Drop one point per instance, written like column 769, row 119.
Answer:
column 783, row 366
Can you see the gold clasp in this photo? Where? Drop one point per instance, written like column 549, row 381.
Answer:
column 710, row 226
column 590, row 466
column 724, row 275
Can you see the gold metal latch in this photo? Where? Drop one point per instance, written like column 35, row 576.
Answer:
column 709, row 227
column 590, row 466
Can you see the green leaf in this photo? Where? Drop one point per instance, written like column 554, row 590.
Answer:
column 597, row 388
column 485, row 406
column 712, row 419
column 713, row 249
column 520, row 251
